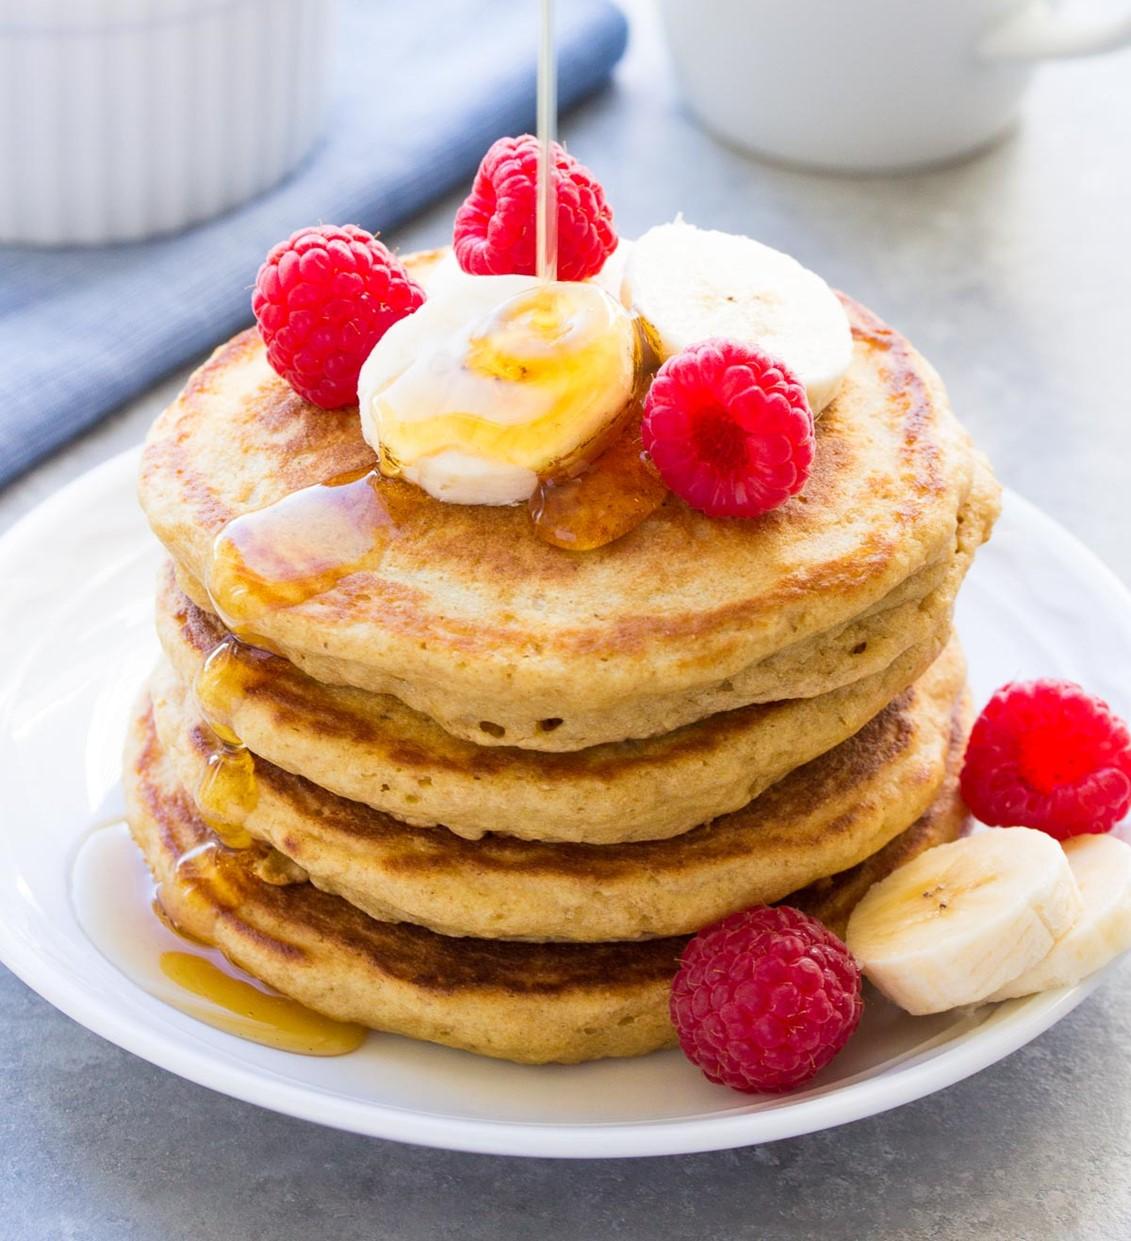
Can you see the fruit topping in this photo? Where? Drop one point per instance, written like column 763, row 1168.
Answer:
column 1101, row 866
column 729, row 428
column 962, row 920
column 323, row 298
column 764, row 999
column 498, row 382
column 494, row 228
column 1045, row 754
column 692, row 284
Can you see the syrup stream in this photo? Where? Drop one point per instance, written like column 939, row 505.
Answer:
column 546, row 217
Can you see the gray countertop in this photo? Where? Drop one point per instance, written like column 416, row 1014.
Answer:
column 1012, row 273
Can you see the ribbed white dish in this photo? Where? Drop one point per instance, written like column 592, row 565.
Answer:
column 122, row 119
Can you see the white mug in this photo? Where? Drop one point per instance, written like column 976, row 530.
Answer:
column 869, row 85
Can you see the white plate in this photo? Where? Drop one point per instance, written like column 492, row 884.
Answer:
column 75, row 613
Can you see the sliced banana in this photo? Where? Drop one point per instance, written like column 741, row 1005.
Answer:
column 960, row 921
column 496, row 381
column 1102, row 868
column 691, row 284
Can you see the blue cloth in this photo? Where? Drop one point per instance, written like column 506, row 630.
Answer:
column 423, row 91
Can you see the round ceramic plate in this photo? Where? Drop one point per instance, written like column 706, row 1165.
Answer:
column 76, row 617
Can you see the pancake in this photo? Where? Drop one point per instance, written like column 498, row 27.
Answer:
column 834, row 898
column 464, row 615
column 533, row 1003
column 373, row 749
column 822, row 818
column 917, row 610
column 864, row 648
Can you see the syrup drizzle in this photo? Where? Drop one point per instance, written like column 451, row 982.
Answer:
column 605, row 501
column 120, row 912
column 252, row 1013
column 227, row 792
column 299, row 547
column 546, row 217
column 302, row 546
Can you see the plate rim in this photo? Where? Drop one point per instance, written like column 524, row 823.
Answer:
column 571, row 1140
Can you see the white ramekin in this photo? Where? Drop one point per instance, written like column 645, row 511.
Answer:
column 122, row 119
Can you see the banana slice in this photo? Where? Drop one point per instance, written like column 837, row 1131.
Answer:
column 496, row 381
column 690, row 284
column 1102, row 868
column 960, row 921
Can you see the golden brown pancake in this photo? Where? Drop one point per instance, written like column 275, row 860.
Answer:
column 527, row 1002
column 464, row 615
column 822, row 818
column 834, row 898
column 371, row 748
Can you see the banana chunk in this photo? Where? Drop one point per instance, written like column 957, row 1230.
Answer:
column 1102, row 868
column 959, row 922
column 690, row 284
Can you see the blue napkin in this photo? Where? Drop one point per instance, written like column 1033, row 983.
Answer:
column 424, row 90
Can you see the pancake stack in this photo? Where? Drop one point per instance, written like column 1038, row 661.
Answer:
column 418, row 769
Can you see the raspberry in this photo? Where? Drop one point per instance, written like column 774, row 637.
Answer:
column 323, row 298
column 1045, row 754
column 765, row 998
column 729, row 428
column 495, row 231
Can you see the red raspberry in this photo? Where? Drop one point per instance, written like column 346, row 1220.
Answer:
column 1045, row 754
column 729, row 428
column 764, row 999
column 323, row 298
column 495, row 230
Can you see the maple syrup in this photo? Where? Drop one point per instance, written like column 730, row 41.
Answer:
column 227, row 792
column 120, row 912
column 546, row 209
column 219, row 684
column 516, row 383
column 252, row 1013
column 298, row 548
column 608, row 499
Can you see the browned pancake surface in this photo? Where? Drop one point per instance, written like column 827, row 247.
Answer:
column 821, row 819
column 471, row 619
column 518, row 1001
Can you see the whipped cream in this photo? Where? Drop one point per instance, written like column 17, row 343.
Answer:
column 497, row 382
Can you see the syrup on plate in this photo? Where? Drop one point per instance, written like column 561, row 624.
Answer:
column 117, row 907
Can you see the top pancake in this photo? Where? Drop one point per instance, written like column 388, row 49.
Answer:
column 472, row 620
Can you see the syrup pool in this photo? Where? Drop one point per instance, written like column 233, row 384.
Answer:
column 113, row 897
column 298, row 548
column 613, row 495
